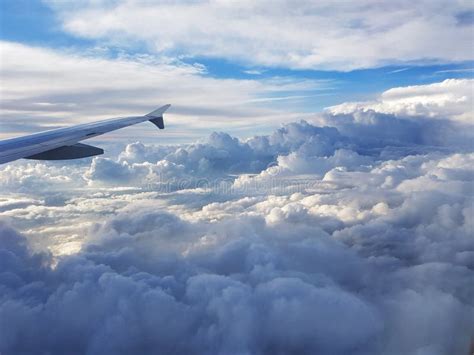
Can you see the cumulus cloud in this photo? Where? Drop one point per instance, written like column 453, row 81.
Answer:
column 347, row 234
column 349, row 270
column 323, row 35
column 451, row 99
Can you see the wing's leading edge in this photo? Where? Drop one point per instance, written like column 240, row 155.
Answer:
column 62, row 143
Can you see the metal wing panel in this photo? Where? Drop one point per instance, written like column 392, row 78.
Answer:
column 21, row 147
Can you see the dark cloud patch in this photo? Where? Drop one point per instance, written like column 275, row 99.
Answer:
column 121, row 296
column 465, row 18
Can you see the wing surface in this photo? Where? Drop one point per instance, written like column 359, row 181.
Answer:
column 63, row 143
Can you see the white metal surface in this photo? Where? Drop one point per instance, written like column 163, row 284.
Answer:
column 21, row 147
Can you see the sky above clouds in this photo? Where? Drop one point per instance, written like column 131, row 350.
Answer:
column 312, row 191
column 241, row 67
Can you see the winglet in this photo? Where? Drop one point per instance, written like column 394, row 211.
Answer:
column 156, row 117
column 159, row 111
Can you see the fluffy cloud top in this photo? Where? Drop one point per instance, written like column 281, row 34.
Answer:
column 350, row 237
column 317, row 35
column 451, row 99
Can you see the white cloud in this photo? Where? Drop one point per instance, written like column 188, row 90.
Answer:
column 375, row 256
column 254, row 72
column 322, row 35
column 451, row 99
column 349, row 239
column 64, row 87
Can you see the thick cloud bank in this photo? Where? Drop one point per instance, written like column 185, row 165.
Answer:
column 349, row 235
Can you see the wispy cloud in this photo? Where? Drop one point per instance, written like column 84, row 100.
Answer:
column 447, row 71
column 323, row 35
column 398, row 70
column 254, row 72
column 64, row 86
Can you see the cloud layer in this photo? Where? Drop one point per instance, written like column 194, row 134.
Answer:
column 348, row 234
column 325, row 35
column 61, row 87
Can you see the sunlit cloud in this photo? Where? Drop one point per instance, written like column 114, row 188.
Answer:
column 324, row 35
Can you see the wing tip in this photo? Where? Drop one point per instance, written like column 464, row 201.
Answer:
column 159, row 111
column 156, row 117
column 158, row 122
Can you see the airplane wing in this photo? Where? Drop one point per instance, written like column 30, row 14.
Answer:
column 63, row 143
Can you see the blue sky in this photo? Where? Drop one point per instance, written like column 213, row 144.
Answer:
column 33, row 22
column 348, row 86
column 54, row 26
